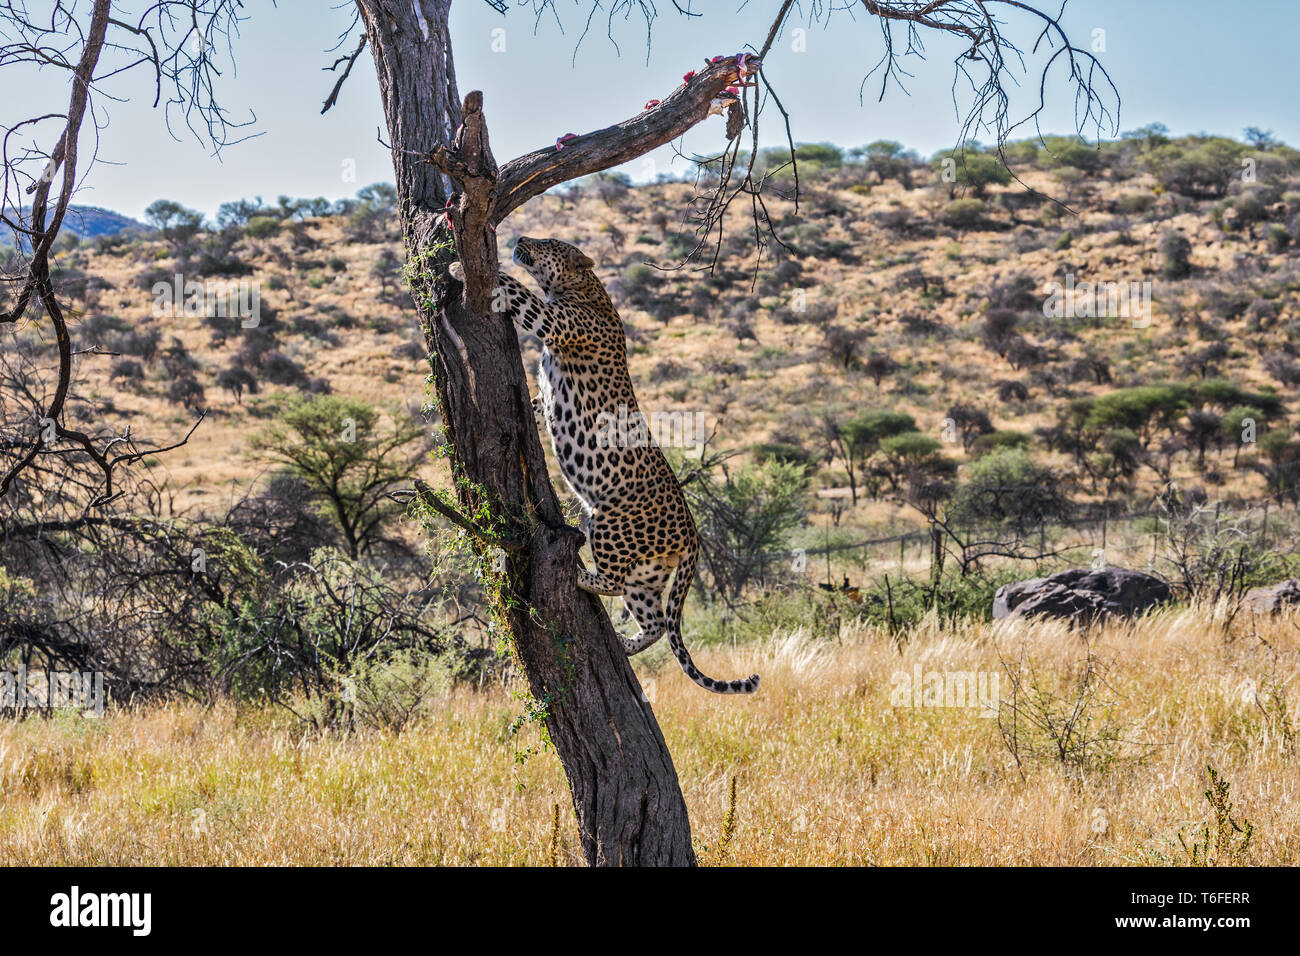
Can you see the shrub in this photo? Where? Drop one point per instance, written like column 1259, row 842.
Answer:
column 844, row 345
column 745, row 517
column 282, row 370
column 912, row 457
column 261, row 227
column 639, row 281
column 236, row 380
column 974, row 169
column 1135, row 203
column 1175, row 250
column 1006, row 487
column 998, row 440
column 964, row 213
column 1278, row 239
column 1197, row 169
column 1020, row 293
column 389, row 691
column 970, row 421
column 998, row 328
column 785, row 453
column 177, row 224
column 128, row 370
column 348, row 456
column 187, row 392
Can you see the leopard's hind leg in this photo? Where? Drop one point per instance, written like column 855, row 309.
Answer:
column 643, row 597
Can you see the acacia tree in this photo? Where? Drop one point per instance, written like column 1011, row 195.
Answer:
column 451, row 197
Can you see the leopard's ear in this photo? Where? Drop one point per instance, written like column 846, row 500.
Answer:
column 583, row 261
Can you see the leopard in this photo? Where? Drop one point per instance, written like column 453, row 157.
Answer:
column 636, row 520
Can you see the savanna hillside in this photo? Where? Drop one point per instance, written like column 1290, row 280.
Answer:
column 885, row 373
column 895, row 290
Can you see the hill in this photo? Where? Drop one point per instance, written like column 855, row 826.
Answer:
column 92, row 221
column 986, row 310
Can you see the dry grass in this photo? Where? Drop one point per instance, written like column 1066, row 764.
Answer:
column 828, row 772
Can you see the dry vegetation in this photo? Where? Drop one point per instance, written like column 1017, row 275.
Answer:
column 826, row 770
column 898, row 294
column 769, row 353
column 883, row 301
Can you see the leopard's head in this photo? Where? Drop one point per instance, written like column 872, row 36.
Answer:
column 553, row 263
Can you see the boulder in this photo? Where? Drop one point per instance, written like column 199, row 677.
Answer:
column 1275, row 598
column 1082, row 594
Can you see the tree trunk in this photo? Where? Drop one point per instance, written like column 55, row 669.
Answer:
column 629, row 806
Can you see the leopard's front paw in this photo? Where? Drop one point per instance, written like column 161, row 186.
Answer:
column 456, row 271
column 576, row 532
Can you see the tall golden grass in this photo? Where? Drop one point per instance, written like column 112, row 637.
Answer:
column 826, row 769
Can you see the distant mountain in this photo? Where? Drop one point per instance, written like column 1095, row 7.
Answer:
column 91, row 221
column 87, row 222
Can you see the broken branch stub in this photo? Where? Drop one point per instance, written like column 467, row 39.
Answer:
column 471, row 165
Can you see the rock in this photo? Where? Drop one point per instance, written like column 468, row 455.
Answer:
column 1082, row 594
column 1275, row 598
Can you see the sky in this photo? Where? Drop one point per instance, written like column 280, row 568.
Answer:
column 1194, row 65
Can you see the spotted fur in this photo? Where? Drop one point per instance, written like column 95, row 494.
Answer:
column 637, row 522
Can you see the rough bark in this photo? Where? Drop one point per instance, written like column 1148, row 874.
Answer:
column 625, row 793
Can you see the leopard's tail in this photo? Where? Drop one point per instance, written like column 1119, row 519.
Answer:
column 676, row 601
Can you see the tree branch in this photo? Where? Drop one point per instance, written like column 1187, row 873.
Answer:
column 533, row 173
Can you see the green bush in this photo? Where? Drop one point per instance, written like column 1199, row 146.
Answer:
column 973, row 168
column 1006, row 487
column 639, row 282
column 964, row 213
column 1135, row 204
column 386, row 693
column 262, row 227
column 985, row 444
column 1195, row 167
column 745, row 515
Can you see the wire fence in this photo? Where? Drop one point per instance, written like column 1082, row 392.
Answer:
column 1095, row 532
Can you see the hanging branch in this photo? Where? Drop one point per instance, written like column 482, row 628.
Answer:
column 186, row 32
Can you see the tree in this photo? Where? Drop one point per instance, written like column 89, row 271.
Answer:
column 450, row 196
column 188, row 392
column 971, row 422
column 878, row 365
column 844, row 345
column 1005, row 497
column 1197, row 168
column 371, row 218
column 912, row 457
column 1239, row 424
column 239, row 211
column 1175, row 255
column 348, row 457
column 1204, row 426
column 744, row 518
column 889, row 160
column 387, row 269
column 235, row 380
column 998, row 329
column 177, row 224
column 971, row 168
column 1260, row 138
column 854, row 441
